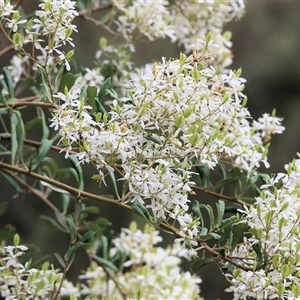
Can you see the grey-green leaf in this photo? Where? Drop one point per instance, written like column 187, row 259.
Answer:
column 236, row 233
column 199, row 263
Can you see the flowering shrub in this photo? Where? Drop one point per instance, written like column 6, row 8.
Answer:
column 155, row 135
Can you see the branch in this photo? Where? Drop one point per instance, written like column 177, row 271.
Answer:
column 79, row 193
column 220, row 196
column 217, row 256
column 6, row 49
column 83, row 12
column 36, row 144
column 28, row 103
column 70, row 189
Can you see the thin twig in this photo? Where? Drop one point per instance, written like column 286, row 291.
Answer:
column 97, row 23
column 6, row 49
column 29, row 98
column 70, row 189
column 219, row 196
column 37, row 144
column 216, row 256
column 28, row 103
column 95, row 9
column 115, row 282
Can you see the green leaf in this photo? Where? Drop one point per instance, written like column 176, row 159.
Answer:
column 54, row 224
column 32, row 123
column 227, row 223
column 104, row 246
column 45, row 92
column 91, row 96
column 199, row 263
column 72, row 228
column 26, row 84
column 9, row 81
column 236, row 233
column 114, row 182
column 142, row 211
column 179, row 121
column 45, row 127
column 60, row 259
column 77, row 167
column 213, row 236
column 86, row 236
column 70, row 255
column 17, row 136
column 67, row 81
column 103, row 91
column 17, row 40
column 102, row 222
column 3, row 101
column 203, row 231
column 12, row 182
column 150, row 137
column 106, row 263
column 64, row 173
column 61, row 220
column 102, row 42
column 43, row 151
column 105, row 18
column 54, row 188
column 93, row 227
column 210, row 214
column 3, row 207
column 7, row 233
column 222, row 170
column 220, row 212
column 204, row 174
column 258, row 250
column 196, row 208
column 100, row 107
column 225, row 182
column 39, row 262
column 91, row 210
column 65, row 200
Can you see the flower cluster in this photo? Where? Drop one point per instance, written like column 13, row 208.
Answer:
column 182, row 21
column 144, row 18
column 154, row 271
column 194, row 19
column 51, row 25
column 270, row 256
column 18, row 281
column 178, row 114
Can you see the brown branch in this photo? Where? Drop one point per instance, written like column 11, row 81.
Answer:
column 219, row 196
column 70, row 189
column 126, row 196
column 31, row 190
column 37, row 144
column 79, row 193
column 18, row 4
column 97, row 23
column 28, row 103
column 29, row 98
column 217, row 256
column 83, row 12
column 6, row 50
column 123, row 295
